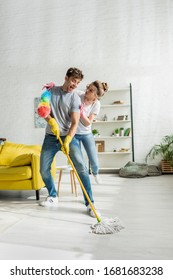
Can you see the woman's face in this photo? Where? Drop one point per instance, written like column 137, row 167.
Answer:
column 91, row 93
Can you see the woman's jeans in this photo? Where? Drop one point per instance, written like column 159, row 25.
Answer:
column 50, row 147
column 90, row 148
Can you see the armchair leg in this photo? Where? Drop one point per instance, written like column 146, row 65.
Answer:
column 37, row 195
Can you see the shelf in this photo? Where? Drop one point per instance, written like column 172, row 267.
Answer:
column 101, row 122
column 112, row 137
column 107, row 141
column 119, row 89
column 114, row 153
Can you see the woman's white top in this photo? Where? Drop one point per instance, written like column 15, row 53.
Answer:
column 93, row 108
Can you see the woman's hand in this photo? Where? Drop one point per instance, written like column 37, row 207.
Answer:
column 48, row 86
column 82, row 110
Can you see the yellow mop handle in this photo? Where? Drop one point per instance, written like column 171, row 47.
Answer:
column 80, row 182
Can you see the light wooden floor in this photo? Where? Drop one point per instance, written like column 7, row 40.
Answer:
column 145, row 206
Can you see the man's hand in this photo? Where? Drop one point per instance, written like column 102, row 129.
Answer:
column 66, row 145
column 54, row 127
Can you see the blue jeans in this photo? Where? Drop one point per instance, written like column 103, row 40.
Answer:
column 50, row 147
column 90, row 148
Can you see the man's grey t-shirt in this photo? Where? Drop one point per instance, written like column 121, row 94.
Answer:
column 62, row 105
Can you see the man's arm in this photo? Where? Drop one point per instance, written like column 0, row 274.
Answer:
column 74, row 123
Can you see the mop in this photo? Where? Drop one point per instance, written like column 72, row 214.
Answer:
column 108, row 225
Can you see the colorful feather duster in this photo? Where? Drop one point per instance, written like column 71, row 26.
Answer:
column 43, row 109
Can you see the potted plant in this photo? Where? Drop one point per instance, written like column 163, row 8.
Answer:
column 164, row 151
column 117, row 132
column 95, row 132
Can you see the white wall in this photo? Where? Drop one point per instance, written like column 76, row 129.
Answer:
column 117, row 41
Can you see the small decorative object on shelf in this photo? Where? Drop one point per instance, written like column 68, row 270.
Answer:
column 123, row 150
column 121, row 118
column 127, row 132
column 100, row 146
column 105, row 118
column 95, row 132
column 118, row 102
column 121, row 131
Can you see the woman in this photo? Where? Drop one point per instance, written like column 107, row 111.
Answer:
column 89, row 109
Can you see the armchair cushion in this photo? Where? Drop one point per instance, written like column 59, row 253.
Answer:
column 15, row 174
column 21, row 160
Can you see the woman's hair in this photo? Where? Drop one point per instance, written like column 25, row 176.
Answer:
column 101, row 88
column 74, row 72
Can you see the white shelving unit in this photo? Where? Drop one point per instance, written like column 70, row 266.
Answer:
column 113, row 157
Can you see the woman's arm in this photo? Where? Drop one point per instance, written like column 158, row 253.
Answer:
column 87, row 120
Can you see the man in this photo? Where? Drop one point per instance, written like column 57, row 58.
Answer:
column 65, row 109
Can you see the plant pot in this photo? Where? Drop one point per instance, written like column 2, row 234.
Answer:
column 166, row 167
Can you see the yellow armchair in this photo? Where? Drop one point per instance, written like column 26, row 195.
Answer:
column 20, row 167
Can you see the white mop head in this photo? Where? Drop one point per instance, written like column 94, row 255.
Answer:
column 107, row 226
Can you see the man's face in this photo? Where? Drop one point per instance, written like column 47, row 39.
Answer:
column 71, row 83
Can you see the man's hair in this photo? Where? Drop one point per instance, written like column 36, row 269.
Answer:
column 74, row 72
